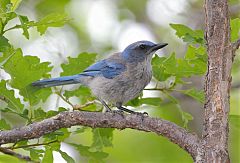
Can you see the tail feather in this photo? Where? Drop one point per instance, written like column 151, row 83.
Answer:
column 57, row 81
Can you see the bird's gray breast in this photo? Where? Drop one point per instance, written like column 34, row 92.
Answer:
column 139, row 76
column 125, row 86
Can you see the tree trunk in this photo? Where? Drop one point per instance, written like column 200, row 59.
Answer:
column 214, row 144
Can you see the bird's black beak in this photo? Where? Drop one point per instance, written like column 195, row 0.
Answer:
column 158, row 46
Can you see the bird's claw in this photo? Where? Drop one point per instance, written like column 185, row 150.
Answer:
column 117, row 112
column 144, row 114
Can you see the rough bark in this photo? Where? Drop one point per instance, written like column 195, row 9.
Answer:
column 174, row 133
column 218, row 82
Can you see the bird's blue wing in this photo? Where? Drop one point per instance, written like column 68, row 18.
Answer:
column 108, row 69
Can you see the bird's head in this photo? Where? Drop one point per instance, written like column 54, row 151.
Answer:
column 140, row 50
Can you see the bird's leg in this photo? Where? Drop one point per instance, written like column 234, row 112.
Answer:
column 126, row 110
column 120, row 107
column 105, row 105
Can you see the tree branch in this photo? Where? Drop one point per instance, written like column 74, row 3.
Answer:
column 12, row 153
column 32, row 145
column 217, row 83
column 174, row 133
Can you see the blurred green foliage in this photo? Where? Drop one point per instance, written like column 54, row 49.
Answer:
column 171, row 76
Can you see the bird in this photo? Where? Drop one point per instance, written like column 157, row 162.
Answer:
column 116, row 79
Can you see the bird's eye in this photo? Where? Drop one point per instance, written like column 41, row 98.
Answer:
column 142, row 46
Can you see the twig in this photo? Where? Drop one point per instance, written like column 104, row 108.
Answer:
column 12, row 153
column 235, row 86
column 11, row 28
column 32, row 145
column 235, row 46
column 153, row 89
column 64, row 99
column 174, row 133
column 79, row 107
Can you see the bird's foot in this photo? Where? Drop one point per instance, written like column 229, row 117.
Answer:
column 114, row 111
column 118, row 112
column 107, row 110
column 142, row 114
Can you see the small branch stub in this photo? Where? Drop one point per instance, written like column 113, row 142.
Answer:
column 235, row 46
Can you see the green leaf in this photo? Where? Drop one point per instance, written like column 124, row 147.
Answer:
column 8, row 5
column 55, row 146
column 48, row 156
column 77, row 65
column 5, row 6
column 24, row 21
column 171, row 98
column 196, row 94
column 3, row 43
column 168, row 83
column 134, row 102
column 183, row 68
column 65, row 135
column 59, row 135
column 6, row 55
column 151, row 101
column 154, row 101
column 187, row 34
column 21, row 143
column 39, row 114
column 194, row 53
column 23, row 71
column 15, row 4
column 235, row 29
column 102, row 137
column 4, row 125
column 35, row 154
column 194, row 63
column 85, row 151
column 159, row 71
column 50, row 6
column 66, row 157
column 13, row 103
column 81, row 91
column 186, row 117
column 80, row 130
column 5, row 17
column 7, row 158
column 9, row 16
column 51, row 20
column 34, row 95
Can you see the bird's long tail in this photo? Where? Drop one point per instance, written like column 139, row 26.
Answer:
column 58, row 81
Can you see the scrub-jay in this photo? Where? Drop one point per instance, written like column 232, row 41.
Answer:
column 116, row 79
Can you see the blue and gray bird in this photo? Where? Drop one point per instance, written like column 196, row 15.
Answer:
column 116, row 79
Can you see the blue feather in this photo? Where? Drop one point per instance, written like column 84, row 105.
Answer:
column 57, row 81
column 105, row 68
column 108, row 69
